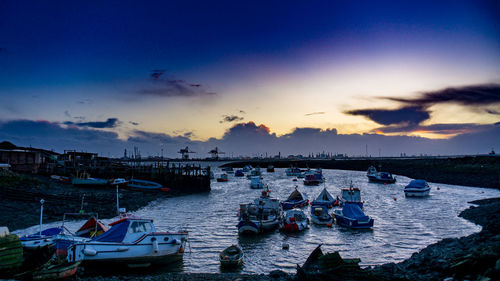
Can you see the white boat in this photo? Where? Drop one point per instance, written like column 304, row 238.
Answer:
column 120, row 182
column 144, row 185
column 294, row 220
column 417, row 188
column 260, row 216
column 132, row 241
column 254, row 173
column 256, row 182
column 232, row 256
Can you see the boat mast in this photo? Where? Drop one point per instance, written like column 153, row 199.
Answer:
column 117, row 201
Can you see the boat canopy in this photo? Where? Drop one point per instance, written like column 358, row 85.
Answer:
column 353, row 211
column 296, row 196
column 90, row 228
column 47, row 232
column 417, row 183
column 325, row 196
column 115, row 234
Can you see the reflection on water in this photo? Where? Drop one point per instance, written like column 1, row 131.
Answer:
column 402, row 226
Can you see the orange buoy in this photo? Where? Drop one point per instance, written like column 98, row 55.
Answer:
column 329, row 224
column 395, row 199
column 181, row 250
column 438, row 188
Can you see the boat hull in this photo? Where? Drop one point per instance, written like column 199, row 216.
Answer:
column 353, row 223
column 417, row 192
column 287, row 205
column 154, row 248
column 379, row 180
column 321, row 221
column 256, row 227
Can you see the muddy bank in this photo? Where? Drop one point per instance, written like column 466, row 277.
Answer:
column 480, row 171
column 20, row 200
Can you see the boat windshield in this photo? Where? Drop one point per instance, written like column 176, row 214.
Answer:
column 139, row 226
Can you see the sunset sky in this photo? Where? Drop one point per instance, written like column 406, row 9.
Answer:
column 108, row 75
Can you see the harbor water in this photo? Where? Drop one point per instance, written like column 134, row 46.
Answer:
column 402, row 225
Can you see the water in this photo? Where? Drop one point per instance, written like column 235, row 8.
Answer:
column 402, row 226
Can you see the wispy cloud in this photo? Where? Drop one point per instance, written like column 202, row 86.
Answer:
column 314, row 113
column 109, row 123
column 161, row 85
column 231, row 118
column 133, row 123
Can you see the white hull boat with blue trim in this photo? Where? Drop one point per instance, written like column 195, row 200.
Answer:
column 417, row 188
column 132, row 241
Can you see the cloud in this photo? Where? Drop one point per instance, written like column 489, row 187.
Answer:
column 230, row 118
column 491, row 111
column 314, row 113
column 162, row 86
column 411, row 115
column 109, row 123
column 249, row 139
column 85, row 101
column 473, row 95
column 133, row 123
column 442, row 129
column 242, row 111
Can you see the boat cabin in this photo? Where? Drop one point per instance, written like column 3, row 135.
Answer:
column 352, row 194
column 127, row 230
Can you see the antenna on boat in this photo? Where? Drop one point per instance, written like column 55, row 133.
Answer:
column 41, row 215
column 81, row 206
column 117, row 201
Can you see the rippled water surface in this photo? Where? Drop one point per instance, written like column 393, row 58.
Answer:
column 402, row 225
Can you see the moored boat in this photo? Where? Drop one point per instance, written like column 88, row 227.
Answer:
column 417, row 188
column 325, row 199
column 320, row 215
column 351, row 195
column 352, row 216
column 256, row 182
column 311, row 179
column 144, row 185
column 239, row 173
column 119, row 182
column 270, row 169
column 132, row 241
column 294, row 220
column 232, row 256
column 260, row 216
column 380, row 177
column 84, row 180
column 293, row 172
column 295, row 200
column 255, row 173
column 222, row 178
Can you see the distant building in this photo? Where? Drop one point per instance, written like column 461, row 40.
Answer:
column 27, row 159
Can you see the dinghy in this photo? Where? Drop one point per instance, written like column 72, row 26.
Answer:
column 232, row 256
column 256, row 183
column 295, row 200
column 222, row 178
column 320, row 215
column 239, row 173
column 311, row 179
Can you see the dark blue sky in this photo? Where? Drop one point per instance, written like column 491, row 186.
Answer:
column 82, row 62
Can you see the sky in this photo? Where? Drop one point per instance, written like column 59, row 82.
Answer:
column 419, row 77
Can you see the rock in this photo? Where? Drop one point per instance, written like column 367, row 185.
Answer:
column 276, row 274
column 497, row 265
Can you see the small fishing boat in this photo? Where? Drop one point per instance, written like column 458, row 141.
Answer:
column 352, row 216
column 232, row 256
column 325, row 199
column 262, row 215
column 293, row 172
column 351, row 195
column 132, row 241
column 270, row 169
column 256, row 182
column 144, row 185
column 40, row 239
column 223, row 178
column 380, row 177
column 318, row 173
column 417, row 188
column 320, row 215
column 311, row 179
column 247, row 168
column 239, row 173
column 294, row 220
column 295, row 200
column 84, row 180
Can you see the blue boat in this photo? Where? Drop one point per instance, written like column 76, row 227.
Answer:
column 352, row 216
column 320, row 215
column 144, row 185
column 239, row 173
column 295, row 200
column 325, row 199
column 417, row 188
